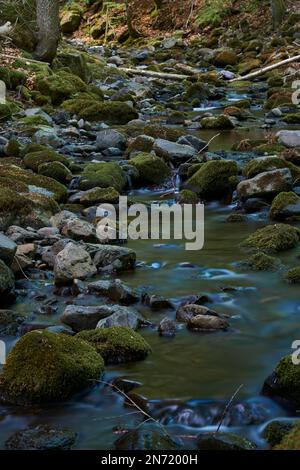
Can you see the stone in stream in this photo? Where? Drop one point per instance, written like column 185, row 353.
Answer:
column 73, row 262
column 44, row 367
column 188, row 311
column 10, row 322
column 173, row 151
column 80, row 317
column 99, row 196
column 117, row 344
column 212, row 180
column 285, row 205
column 121, row 316
column 118, row 258
column 81, row 230
column 193, row 141
column 110, row 138
column 207, row 323
column 41, row 437
column 265, row 184
column 224, row 441
column 115, row 290
column 8, row 249
column 156, row 302
column 272, row 239
column 276, row 430
column 7, row 280
column 167, row 328
column 47, row 136
column 289, row 139
column 146, row 439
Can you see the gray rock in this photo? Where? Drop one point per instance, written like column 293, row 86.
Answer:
column 8, row 249
column 121, row 316
column 80, row 317
column 80, row 230
column 115, row 290
column 207, row 323
column 156, row 302
column 10, row 322
column 108, row 138
column 47, row 136
column 73, row 262
column 289, row 138
column 167, row 328
column 173, row 151
column 61, row 218
column 265, row 184
column 41, row 437
column 117, row 257
column 7, row 279
column 193, row 141
column 188, row 311
column 22, row 235
column 60, row 329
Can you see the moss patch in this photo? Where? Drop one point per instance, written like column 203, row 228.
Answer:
column 291, row 440
column 60, row 86
column 112, row 112
column 103, row 175
column 34, row 159
column 56, row 170
column 280, row 202
column 45, row 366
column 152, row 169
column 273, row 238
column 293, row 275
column 212, row 179
column 117, row 344
column 262, row 262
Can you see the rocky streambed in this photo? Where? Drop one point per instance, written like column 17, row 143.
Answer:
column 103, row 336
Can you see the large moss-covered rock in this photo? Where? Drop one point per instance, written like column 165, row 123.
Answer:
column 152, row 169
column 60, row 86
column 74, row 61
column 41, row 437
column 103, row 175
column 12, row 78
column 56, row 170
column 99, row 195
column 224, row 441
column 275, row 431
column 7, row 280
column 213, row 178
column 263, row 164
column 220, row 122
column 285, row 205
column 145, row 438
column 34, row 159
column 290, row 440
column 12, row 206
column 226, row 57
column 45, row 366
column 162, row 132
column 262, row 262
column 273, row 238
column 293, row 275
column 70, row 19
column 284, row 383
column 117, row 344
column 112, row 112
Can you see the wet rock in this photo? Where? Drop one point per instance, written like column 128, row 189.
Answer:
column 61, row 218
column 266, row 184
column 22, row 235
column 7, row 280
column 273, row 239
column 99, row 196
column 120, row 316
column 224, row 441
column 117, row 257
column 110, row 138
column 116, row 290
column 79, row 230
column 125, row 385
column 254, row 205
column 193, row 141
column 275, row 431
column 117, row 344
column 220, row 122
column 285, row 205
column 8, row 249
column 172, row 151
column 290, row 139
column 293, row 275
column 212, row 180
column 186, row 312
column 79, row 317
column 73, row 262
column 290, row 441
column 41, row 437
column 146, row 439
column 156, row 302
column 60, row 329
column 167, row 328
column 49, row 252
column 10, row 322
column 262, row 262
column 207, row 323
column 151, row 169
column 47, row 136
column 45, row 367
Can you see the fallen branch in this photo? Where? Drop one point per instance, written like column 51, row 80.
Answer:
column 263, row 70
column 10, row 56
column 187, row 69
column 150, row 73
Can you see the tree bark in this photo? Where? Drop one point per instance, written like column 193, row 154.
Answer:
column 133, row 33
column 49, row 29
column 278, row 12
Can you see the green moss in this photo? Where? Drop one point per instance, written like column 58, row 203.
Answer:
column 161, row 132
column 100, row 195
column 48, row 205
column 112, row 112
column 262, row 262
column 45, row 366
column 293, row 275
column 12, row 203
column 248, row 65
column 5, row 112
column 75, row 61
column 117, row 344
column 273, row 238
column 275, row 431
column 152, row 169
column 212, row 179
column 12, row 149
column 39, row 99
column 188, row 197
column 291, row 440
column 292, row 118
column 226, row 57
column 12, row 78
column 56, row 170
column 71, row 18
column 280, row 202
column 279, row 99
column 220, row 122
column 270, row 149
column 142, row 143
column 288, row 379
column 197, row 90
column 34, row 121
column 103, row 175
column 60, row 86
column 34, row 159
column 262, row 164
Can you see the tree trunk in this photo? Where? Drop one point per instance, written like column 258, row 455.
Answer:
column 49, row 29
column 133, row 33
column 278, row 12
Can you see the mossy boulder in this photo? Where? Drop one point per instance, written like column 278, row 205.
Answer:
column 262, row 262
column 151, row 168
column 212, row 179
column 12, row 206
column 275, row 431
column 117, row 344
column 273, row 238
column 220, row 122
column 33, row 160
column 293, row 275
column 75, row 61
column 198, row 90
column 162, row 132
column 292, row 118
column 290, row 440
column 56, row 170
column 263, row 164
column 226, row 57
column 248, row 65
column 5, row 112
column 268, row 149
column 33, row 123
column 187, row 197
column 100, row 195
column 284, row 383
column 60, row 86
column 12, row 78
column 279, row 98
column 7, row 280
column 70, row 19
column 112, row 112
column 224, row 441
column 282, row 205
column 45, row 366
column 103, row 175
column 144, row 438
column 142, row 143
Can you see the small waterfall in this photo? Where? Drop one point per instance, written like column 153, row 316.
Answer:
column 177, row 183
